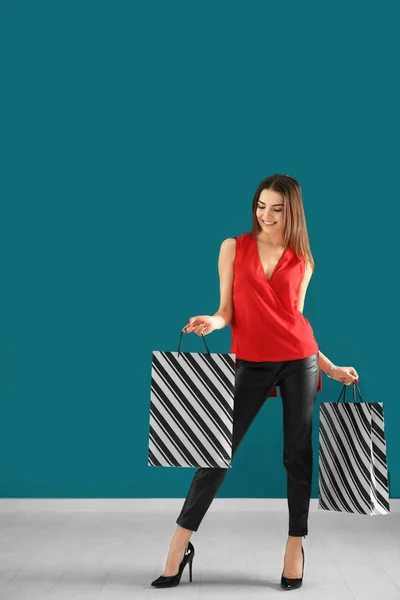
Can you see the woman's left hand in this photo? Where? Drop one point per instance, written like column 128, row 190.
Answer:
column 346, row 375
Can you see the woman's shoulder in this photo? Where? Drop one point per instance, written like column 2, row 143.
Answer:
column 228, row 247
column 243, row 236
column 232, row 244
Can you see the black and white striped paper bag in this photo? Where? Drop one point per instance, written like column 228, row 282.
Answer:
column 191, row 409
column 352, row 470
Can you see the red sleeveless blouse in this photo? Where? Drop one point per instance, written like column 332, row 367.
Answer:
column 266, row 323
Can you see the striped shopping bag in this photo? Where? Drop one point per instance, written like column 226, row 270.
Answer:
column 191, row 409
column 352, row 469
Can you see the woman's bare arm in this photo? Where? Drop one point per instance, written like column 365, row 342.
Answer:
column 226, row 260
column 324, row 362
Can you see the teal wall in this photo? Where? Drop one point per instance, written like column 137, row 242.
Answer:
column 133, row 137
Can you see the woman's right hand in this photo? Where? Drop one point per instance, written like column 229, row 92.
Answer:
column 201, row 325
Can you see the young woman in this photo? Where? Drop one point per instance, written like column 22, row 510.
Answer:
column 264, row 276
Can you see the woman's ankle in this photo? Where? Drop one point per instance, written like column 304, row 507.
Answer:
column 181, row 538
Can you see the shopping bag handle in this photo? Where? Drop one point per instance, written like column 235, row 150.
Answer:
column 354, row 393
column 204, row 339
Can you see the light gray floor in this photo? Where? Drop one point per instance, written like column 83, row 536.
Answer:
column 238, row 555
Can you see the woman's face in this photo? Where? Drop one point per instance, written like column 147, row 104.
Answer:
column 270, row 211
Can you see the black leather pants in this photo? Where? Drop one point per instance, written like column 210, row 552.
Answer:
column 298, row 381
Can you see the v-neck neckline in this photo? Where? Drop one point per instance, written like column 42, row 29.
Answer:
column 260, row 261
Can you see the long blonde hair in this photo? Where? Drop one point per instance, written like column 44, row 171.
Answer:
column 294, row 220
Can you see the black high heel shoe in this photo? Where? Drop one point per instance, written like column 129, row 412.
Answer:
column 292, row 584
column 172, row 580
